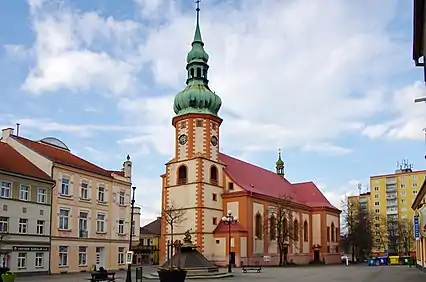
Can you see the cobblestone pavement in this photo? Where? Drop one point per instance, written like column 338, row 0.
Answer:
column 299, row 274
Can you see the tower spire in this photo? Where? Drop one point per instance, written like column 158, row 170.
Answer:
column 279, row 165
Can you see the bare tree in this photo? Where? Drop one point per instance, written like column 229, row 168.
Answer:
column 380, row 232
column 283, row 228
column 173, row 215
column 406, row 237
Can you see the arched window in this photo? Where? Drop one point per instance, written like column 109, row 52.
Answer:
column 296, row 230
column 205, row 73
column 332, row 232
column 213, row 174
column 199, row 72
column 285, row 228
column 258, row 226
column 191, row 73
column 337, row 233
column 272, row 228
column 182, row 175
column 305, row 231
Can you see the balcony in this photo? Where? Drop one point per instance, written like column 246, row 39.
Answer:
column 145, row 249
column 390, row 181
column 83, row 234
column 391, row 196
column 392, row 204
column 391, row 189
column 392, row 211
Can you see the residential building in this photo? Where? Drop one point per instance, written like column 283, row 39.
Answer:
column 208, row 183
column 25, row 210
column 361, row 202
column 419, row 34
column 419, row 208
column 90, row 206
column 391, row 198
column 147, row 251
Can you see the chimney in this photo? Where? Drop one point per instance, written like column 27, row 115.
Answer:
column 127, row 168
column 5, row 133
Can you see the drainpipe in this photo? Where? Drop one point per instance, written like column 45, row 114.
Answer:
column 51, row 215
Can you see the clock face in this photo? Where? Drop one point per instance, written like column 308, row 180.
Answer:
column 183, row 139
column 214, row 140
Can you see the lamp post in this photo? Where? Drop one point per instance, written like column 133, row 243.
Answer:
column 129, row 266
column 229, row 219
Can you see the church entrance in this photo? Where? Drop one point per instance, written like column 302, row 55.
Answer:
column 316, row 255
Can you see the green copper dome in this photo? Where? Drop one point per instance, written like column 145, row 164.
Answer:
column 197, row 98
column 280, row 162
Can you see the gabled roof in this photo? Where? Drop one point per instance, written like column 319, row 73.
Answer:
column 255, row 179
column 152, row 228
column 61, row 156
column 12, row 161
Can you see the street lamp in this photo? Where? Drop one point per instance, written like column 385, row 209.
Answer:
column 132, row 226
column 229, row 219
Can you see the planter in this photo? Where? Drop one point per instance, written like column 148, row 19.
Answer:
column 172, row 275
column 8, row 277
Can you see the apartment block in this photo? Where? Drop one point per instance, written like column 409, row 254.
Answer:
column 25, row 212
column 90, row 224
column 391, row 198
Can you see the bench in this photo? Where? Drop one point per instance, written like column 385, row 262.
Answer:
column 254, row 268
column 102, row 276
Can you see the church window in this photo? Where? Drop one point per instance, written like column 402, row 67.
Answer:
column 183, row 125
column 296, row 230
column 214, row 197
column 328, row 233
column 272, row 228
column 191, row 71
column 337, row 233
column 199, row 123
column 258, row 226
column 305, row 231
column 214, row 220
column 198, row 72
column 182, row 175
column 213, row 174
column 332, row 232
column 214, row 126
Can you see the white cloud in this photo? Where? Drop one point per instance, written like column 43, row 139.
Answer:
column 407, row 119
column 327, row 148
column 148, row 197
column 63, row 51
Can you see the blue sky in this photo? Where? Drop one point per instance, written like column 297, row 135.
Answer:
column 332, row 83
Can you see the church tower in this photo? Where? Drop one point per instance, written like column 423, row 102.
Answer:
column 279, row 165
column 194, row 177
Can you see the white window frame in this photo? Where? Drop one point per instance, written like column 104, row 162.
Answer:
column 101, row 223
column 63, row 256
column 22, row 260
column 39, row 260
column 41, row 195
column 121, row 227
column 40, row 227
column 82, row 256
column 121, row 251
column 4, row 224
column 64, row 220
column 377, row 203
column 84, row 190
column 24, row 192
column 6, row 189
column 403, row 193
column 65, row 186
column 101, row 194
column 23, row 226
column 122, row 198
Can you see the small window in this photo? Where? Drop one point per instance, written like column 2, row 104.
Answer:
column 199, row 123
column 230, row 186
column 182, row 175
column 183, row 125
column 214, row 220
column 377, row 203
column 214, row 197
column 376, row 196
column 217, row 242
column 198, row 72
column 377, row 211
column 191, row 73
column 214, row 126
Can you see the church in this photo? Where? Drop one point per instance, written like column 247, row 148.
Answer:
column 207, row 183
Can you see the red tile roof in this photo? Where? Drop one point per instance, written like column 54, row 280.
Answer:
column 152, row 228
column 118, row 172
column 12, row 161
column 265, row 182
column 222, row 228
column 61, row 156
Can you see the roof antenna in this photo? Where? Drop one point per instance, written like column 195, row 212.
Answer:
column 359, row 188
column 17, row 129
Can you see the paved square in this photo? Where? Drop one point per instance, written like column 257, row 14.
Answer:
column 298, row 274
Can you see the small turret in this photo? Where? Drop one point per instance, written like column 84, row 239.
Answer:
column 279, row 165
column 127, row 167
